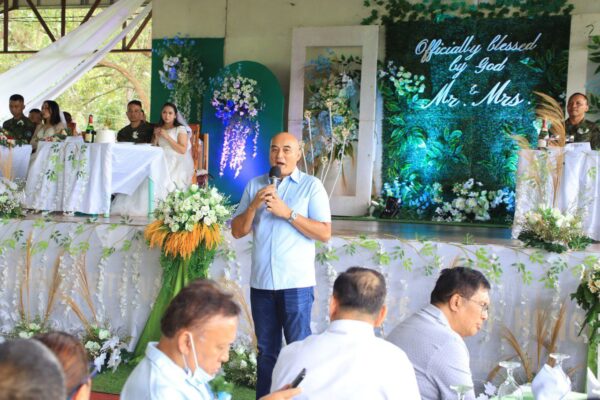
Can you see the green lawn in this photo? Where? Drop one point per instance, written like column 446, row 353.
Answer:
column 109, row 382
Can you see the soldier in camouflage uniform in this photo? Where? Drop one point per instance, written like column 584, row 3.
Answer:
column 19, row 127
column 581, row 129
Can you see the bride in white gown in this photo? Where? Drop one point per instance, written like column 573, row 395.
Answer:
column 169, row 134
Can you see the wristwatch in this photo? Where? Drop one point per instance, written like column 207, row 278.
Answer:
column 292, row 217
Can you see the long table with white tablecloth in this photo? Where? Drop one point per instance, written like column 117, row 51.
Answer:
column 81, row 177
column 124, row 277
column 565, row 178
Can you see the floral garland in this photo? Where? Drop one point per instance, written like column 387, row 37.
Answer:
column 548, row 228
column 181, row 73
column 235, row 99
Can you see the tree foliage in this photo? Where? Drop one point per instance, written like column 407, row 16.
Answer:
column 105, row 90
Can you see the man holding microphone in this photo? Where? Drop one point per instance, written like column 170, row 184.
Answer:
column 286, row 216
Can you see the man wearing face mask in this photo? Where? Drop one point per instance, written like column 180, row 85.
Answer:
column 198, row 329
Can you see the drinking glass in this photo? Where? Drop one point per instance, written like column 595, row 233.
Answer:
column 509, row 388
column 461, row 390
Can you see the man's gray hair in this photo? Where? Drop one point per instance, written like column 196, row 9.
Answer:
column 30, row 371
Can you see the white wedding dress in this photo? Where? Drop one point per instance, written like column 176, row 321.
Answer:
column 180, row 171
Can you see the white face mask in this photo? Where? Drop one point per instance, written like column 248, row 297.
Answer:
column 199, row 377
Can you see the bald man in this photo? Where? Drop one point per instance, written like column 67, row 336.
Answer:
column 285, row 221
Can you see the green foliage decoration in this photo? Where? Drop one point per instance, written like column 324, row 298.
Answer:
column 389, row 12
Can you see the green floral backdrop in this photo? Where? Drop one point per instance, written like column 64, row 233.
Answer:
column 454, row 92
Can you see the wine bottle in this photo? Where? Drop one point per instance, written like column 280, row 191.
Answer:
column 543, row 136
column 89, row 131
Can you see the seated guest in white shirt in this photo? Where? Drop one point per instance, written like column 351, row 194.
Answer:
column 433, row 337
column 198, row 329
column 348, row 361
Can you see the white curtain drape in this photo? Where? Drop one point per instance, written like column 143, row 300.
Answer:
column 52, row 70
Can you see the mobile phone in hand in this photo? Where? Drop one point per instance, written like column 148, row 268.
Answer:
column 298, row 378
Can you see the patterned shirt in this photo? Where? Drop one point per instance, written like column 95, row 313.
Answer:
column 142, row 134
column 21, row 129
column 585, row 131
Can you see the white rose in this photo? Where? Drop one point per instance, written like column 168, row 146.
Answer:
column 556, row 213
column 103, row 334
column 92, row 346
column 459, row 203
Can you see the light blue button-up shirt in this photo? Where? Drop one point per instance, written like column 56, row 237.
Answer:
column 282, row 257
column 157, row 377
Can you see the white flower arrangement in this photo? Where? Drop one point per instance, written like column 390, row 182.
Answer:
column 236, row 96
column 104, row 348
column 10, row 199
column 27, row 329
column 241, row 367
column 550, row 229
column 183, row 209
column 472, row 202
column 235, row 99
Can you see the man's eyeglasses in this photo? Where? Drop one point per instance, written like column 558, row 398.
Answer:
column 485, row 308
column 92, row 372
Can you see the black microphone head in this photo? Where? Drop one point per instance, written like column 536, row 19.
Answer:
column 275, row 172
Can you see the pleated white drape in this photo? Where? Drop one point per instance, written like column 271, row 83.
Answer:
column 52, row 70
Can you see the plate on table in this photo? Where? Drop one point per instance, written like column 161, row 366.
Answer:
column 143, row 144
column 125, row 142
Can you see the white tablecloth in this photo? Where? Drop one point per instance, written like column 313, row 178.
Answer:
column 124, row 277
column 20, row 160
column 576, row 190
column 81, row 177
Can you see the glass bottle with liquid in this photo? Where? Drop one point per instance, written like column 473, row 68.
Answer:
column 89, row 131
column 543, row 136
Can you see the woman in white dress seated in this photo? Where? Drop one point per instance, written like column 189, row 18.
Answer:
column 51, row 125
column 170, row 134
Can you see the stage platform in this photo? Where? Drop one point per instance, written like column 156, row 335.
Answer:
column 124, row 276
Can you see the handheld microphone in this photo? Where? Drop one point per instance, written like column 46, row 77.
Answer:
column 274, row 175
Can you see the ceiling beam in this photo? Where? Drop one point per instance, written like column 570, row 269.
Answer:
column 139, row 31
column 91, row 11
column 41, row 20
column 112, row 51
column 63, row 17
column 5, row 43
